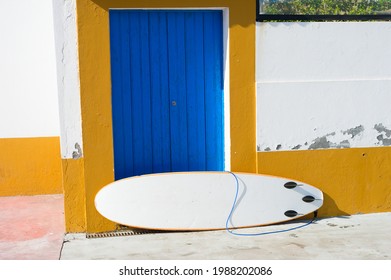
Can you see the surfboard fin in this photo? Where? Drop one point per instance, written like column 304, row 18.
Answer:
column 291, row 213
column 309, row 199
column 290, row 185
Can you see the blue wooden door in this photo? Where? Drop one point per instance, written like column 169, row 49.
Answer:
column 167, row 91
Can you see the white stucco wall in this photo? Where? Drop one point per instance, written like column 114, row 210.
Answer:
column 28, row 84
column 68, row 78
column 323, row 85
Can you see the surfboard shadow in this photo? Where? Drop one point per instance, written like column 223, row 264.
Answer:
column 327, row 210
column 331, row 209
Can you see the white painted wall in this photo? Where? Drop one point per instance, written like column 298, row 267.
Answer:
column 28, row 84
column 323, row 85
column 68, row 78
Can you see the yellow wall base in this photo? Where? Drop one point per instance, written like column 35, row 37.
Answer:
column 30, row 166
column 353, row 180
column 74, row 195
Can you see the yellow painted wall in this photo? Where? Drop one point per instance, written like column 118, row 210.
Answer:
column 30, row 166
column 74, row 195
column 354, row 180
column 95, row 83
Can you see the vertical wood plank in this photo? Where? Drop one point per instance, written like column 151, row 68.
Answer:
column 145, row 75
column 161, row 139
column 195, row 90
column 219, row 89
column 177, row 84
column 126, row 95
column 115, row 53
column 213, row 91
column 136, row 89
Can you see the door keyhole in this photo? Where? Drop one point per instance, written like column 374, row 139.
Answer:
column 173, row 103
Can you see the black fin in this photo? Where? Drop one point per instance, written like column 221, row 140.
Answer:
column 291, row 213
column 309, row 199
column 290, row 185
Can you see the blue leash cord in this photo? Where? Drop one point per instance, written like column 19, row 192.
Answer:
column 260, row 233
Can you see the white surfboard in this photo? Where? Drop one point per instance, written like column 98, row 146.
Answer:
column 204, row 200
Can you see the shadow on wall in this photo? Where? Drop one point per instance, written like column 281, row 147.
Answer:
column 242, row 7
column 330, row 208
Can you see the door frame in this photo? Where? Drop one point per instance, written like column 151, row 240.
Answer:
column 226, row 75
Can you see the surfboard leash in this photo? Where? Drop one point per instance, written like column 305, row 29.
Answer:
column 259, row 233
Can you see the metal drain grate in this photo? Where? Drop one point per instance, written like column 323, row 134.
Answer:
column 121, row 233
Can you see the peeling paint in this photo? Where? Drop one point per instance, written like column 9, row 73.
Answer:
column 341, row 139
column 320, row 143
column 381, row 128
column 354, row 136
column 331, row 140
column 78, row 153
column 344, row 144
column 384, row 137
column 353, row 132
column 325, row 143
column 386, row 142
column 383, row 141
column 378, row 134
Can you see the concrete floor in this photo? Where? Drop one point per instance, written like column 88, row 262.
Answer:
column 359, row 237
column 33, row 228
